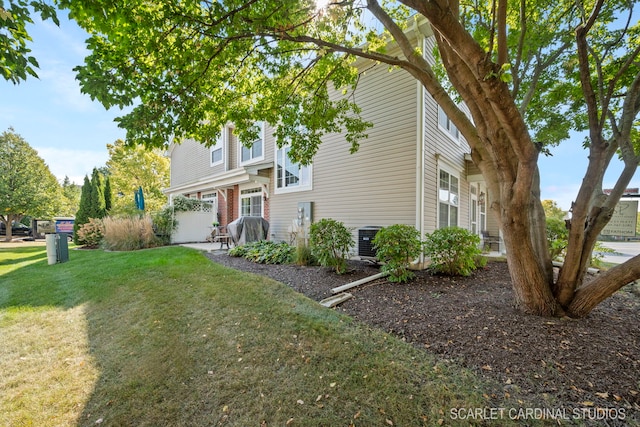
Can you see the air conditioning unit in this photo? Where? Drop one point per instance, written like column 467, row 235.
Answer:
column 365, row 241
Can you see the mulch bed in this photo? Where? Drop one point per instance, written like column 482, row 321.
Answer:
column 550, row 363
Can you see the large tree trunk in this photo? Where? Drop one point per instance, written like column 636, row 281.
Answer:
column 502, row 149
column 7, row 225
column 507, row 157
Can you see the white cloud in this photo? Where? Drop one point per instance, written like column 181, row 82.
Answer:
column 59, row 50
column 563, row 195
column 62, row 82
column 72, row 163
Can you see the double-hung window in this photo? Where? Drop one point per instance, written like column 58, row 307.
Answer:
column 291, row 176
column 447, row 125
column 448, row 200
column 256, row 150
column 216, row 150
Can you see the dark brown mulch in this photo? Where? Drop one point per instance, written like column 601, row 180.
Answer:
column 572, row 364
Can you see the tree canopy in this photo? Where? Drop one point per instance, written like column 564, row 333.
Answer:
column 71, row 201
column 527, row 72
column 27, row 186
column 15, row 61
column 134, row 167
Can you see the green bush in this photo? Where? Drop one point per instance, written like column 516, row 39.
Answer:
column 91, row 233
column 238, row 251
column 265, row 252
column 186, row 204
column 397, row 246
column 557, row 237
column 453, row 251
column 164, row 224
column 330, row 243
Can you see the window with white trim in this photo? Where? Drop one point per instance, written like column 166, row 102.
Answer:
column 448, row 200
column 251, row 202
column 216, row 156
column 447, row 125
column 473, row 209
column 209, row 197
column 256, row 151
column 291, row 176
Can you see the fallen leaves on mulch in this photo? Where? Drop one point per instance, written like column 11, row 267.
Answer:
column 565, row 363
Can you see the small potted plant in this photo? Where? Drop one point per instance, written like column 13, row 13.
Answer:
column 214, row 228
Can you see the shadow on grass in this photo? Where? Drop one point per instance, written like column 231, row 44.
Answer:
column 35, row 251
column 180, row 341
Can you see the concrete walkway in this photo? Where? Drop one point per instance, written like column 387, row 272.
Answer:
column 207, row 246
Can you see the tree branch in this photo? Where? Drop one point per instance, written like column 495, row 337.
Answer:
column 585, row 75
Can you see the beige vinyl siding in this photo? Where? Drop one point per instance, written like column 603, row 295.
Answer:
column 269, row 143
column 376, row 185
column 267, row 149
column 232, row 150
column 442, row 151
column 190, row 161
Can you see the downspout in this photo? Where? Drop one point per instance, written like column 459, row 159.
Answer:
column 420, row 165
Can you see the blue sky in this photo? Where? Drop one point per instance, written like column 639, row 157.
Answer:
column 70, row 132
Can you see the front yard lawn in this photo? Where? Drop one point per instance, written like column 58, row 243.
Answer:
column 165, row 337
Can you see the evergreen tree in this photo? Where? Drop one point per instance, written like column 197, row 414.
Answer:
column 97, row 206
column 82, row 216
column 107, row 194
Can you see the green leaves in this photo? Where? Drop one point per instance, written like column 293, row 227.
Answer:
column 15, row 62
column 190, row 68
column 397, row 246
column 330, row 243
column 27, row 186
column 453, row 251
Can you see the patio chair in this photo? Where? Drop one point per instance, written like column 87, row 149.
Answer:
column 489, row 240
column 220, row 234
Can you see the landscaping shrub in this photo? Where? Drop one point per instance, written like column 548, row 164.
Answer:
column 330, row 243
column 129, row 233
column 164, row 224
column 453, row 251
column 303, row 254
column 91, row 233
column 557, row 237
column 265, row 252
column 239, row 251
column 397, row 246
column 185, row 204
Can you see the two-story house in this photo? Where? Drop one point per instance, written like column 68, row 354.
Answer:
column 413, row 168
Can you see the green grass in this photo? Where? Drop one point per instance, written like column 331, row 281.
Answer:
column 165, row 337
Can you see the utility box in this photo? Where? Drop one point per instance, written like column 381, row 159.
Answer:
column 62, row 247
column 365, row 241
column 57, row 248
column 305, row 213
